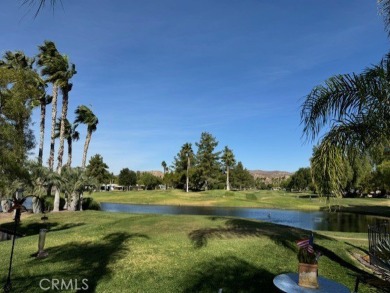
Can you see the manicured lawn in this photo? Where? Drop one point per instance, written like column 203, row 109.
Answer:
column 259, row 199
column 161, row 253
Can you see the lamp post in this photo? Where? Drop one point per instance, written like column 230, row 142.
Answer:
column 42, row 237
column 16, row 206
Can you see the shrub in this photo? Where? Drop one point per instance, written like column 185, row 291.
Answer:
column 90, row 204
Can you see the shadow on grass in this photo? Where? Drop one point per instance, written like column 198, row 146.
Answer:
column 281, row 235
column 33, row 228
column 230, row 274
column 83, row 260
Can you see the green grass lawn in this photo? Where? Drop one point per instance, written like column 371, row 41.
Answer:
column 162, row 253
column 258, row 199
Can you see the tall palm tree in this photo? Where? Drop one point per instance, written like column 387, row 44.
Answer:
column 43, row 101
column 49, row 59
column 356, row 109
column 85, row 116
column 71, row 134
column 229, row 161
column 189, row 154
column 40, row 3
column 68, row 71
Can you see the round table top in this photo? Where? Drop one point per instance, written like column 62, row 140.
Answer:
column 289, row 283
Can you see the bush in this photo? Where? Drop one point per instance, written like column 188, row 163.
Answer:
column 90, row 204
column 48, row 202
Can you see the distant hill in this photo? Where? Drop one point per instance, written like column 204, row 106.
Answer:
column 156, row 173
column 270, row 174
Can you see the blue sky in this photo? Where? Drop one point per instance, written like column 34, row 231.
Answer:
column 158, row 73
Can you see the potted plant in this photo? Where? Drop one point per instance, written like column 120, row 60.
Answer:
column 308, row 263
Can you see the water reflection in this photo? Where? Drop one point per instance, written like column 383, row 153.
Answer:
column 344, row 222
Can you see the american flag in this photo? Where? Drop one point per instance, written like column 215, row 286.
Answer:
column 307, row 243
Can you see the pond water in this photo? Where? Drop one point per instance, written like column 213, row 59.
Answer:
column 344, row 222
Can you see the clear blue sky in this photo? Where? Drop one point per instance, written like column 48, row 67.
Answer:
column 160, row 72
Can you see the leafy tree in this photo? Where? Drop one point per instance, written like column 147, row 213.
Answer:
column 18, row 93
column 301, row 180
column 149, row 180
column 19, row 61
column 182, row 164
column 229, row 161
column 85, row 116
column 241, row 177
column 127, row 177
column 98, row 169
column 208, row 167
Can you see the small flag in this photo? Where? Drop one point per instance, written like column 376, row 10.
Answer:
column 307, row 243
column 303, row 243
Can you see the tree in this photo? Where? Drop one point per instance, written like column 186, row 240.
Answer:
column 207, row 161
column 19, row 61
column 40, row 4
column 149, row 180
column 301, row 180
column 71, row 134
column 127, row 177
column 67, row 71
column 76, row 181
column 98, row 169
column 165, row 169
column 229, row 161
column 241, row 177
column 85, row 116
column 182, row 165
column 18, row 93
column 39, row 178
column 49, row 59
column 356, row 110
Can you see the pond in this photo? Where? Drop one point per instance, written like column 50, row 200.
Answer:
column 313, row 220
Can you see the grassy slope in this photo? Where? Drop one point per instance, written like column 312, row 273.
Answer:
column 161, row 253
column 265, row 199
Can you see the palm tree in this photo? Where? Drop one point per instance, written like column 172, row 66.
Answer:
column 40, row 3
column 71, row 134
column 229, row 161
column 50, row 61
column 356, row 109
column 68, row 70
column 189, row 154
column 39, row 178
column 85, row 116
column 44, row 101
column 165, row 168
column 76, row 180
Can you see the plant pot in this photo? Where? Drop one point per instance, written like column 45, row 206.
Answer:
column 308, row 275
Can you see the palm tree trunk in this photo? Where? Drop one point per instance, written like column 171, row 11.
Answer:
column 188, row 179
column 227, row 179
column 53, row 126
column 56, row 204
column 64, row 113
column 42, row 130
column 69, row 162
column 86, row 145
